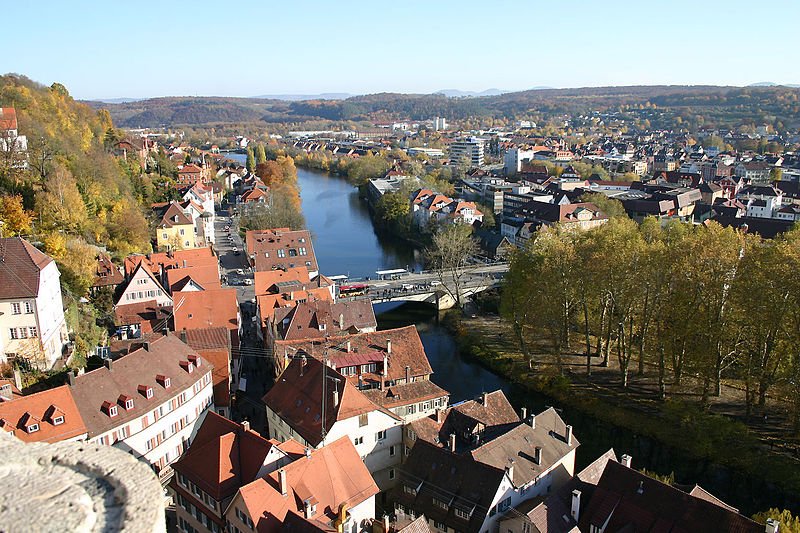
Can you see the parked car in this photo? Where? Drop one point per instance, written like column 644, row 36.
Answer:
column 248, row 281
column 240, row 271
column 435, row 283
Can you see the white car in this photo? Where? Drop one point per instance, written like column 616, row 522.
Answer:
column 435, row 283
column 240, row 271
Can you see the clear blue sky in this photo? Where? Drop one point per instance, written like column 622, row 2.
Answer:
column 107, row 49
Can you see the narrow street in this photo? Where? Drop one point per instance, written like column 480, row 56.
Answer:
column 256, row 372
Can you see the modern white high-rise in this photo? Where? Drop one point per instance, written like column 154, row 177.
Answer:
column 471, row 149
column 439, row 124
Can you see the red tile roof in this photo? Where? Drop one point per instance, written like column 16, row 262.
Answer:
column 20, row 265
column 8, row 118
column 297, row 398
column 42, row 409
column 334, row 476
column 207, row 276
column 223, row 456
column 167, row 260
column 206, row 309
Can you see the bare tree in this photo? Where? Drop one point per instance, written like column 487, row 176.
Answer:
column 449, row 255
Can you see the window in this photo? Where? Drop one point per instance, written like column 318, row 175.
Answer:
column 363, row 420
column 440, row 526
column 441, row 504
column 13, row 333
column 28, row 308
column 57, row 421
column 408, row 489
column 182, row 231
column 32, row 428
column 164, row 235
column 358, row 440
column 391, row 473
column 411, row 435
column 380, row 435
column 129, row 404
column 33, row 331
column 504, row 505
column 16, row 308
column 463, row 513
column 302, row 251
column 281, row 253
column 112, row 411
column 391, row 451
column 411, row 409
column 23, row 333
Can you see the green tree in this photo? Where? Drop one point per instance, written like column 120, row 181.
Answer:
column 250, row 163
column 609, row 206
column 260, row 154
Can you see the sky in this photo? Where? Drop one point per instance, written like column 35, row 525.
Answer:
column 109, row 49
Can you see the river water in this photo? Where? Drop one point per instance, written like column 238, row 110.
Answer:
column 346, row 243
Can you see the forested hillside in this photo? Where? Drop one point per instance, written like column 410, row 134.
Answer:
column 73, row 194
column 661, row 106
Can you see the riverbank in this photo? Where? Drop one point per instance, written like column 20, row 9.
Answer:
column 672, row 436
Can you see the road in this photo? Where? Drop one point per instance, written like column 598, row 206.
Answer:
column 255, row 370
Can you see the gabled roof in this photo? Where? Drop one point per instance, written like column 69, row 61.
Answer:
column 223, row 456
column 207, row 276
column 174, row 215
column 297, row 398
column 43, row 408
column 626, row 498
column 174, row 259
column 20, row 267
column 332, row 476
column 322, row 318
column 162, row 356
column 206, row 309
column 520, row 443
column 406, row 350
column 191, row 168
column 148, row 315
column 436, row 473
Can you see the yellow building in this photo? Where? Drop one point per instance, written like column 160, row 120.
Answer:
column 175, row 231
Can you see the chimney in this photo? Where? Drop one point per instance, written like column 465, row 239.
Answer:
column 510, row 470
column 109, row 364
column 772, row 526
column 246, row 425
column 282, row 482
column 575, row 510
column 452, row 442
column 302, row 364
column 307, row 508
column 568, row 436
column 18, row 378
column 439, row 416
column 70, row 378
column 183, row 336
column 388, row 345
column 384, row 370
column 485, row 398
column 335, row 398
column 523, row 413
column 626, row 460
column 341, row 320
column 533, row 421
column 291, row 295
column 537, row 455
column 184, row 263
column 348, row 346
column 385, row 523
column 640, row 490
column 408, row 374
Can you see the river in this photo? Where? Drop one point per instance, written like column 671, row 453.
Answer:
column 346, row 243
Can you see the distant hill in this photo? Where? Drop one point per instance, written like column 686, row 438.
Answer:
column 456, row 93
column 123, row 100
column 678, row 106
column 296, row 97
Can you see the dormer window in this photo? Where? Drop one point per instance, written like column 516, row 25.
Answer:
column 110, row 409
column 126, row 401
column 188, row 366
column 163, row 380
column 195, row 360
column 32, row 428
column 146, row 391
column 55, row 415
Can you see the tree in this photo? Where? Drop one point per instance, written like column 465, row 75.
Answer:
column 250, row 164
column 15, row 219
column 449, row 255
column 609, row 206
column 281, row 212
column 789, row 522
column 60, row 204
column 260, row 154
